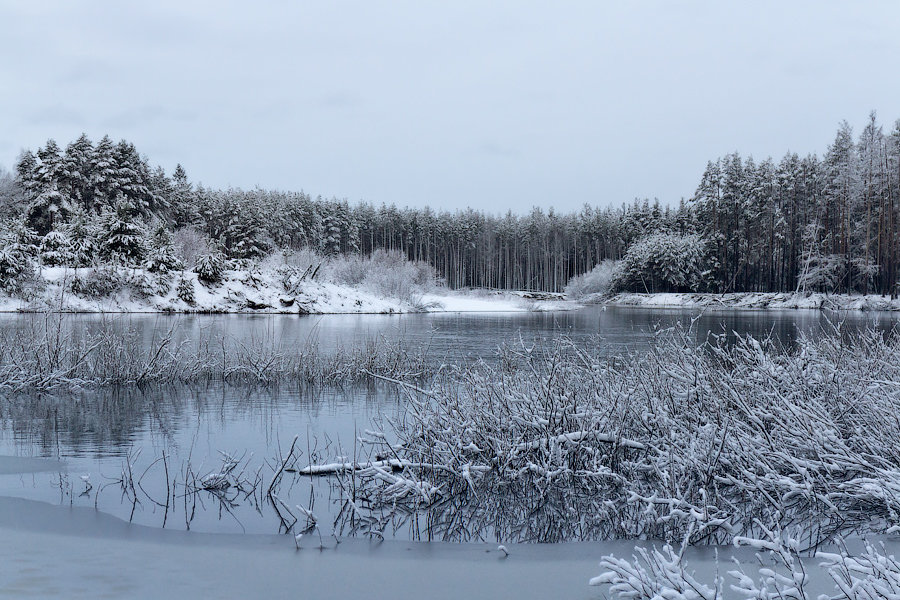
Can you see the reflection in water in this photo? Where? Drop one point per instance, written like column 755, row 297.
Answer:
column 101, row 431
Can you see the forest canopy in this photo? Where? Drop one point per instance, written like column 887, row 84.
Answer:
column 806, row 223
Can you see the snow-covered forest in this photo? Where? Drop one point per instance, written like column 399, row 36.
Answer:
column 807, row 223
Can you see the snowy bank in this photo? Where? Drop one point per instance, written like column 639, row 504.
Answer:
column 128, row 290
column 753, row 300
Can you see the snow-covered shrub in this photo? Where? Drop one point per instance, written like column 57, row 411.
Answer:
column 294, row 267
column 140, row 285
column 778, row 573
column 56, row 249
column 100, row 282
column 654, row 574
column 386, row 273
column 871, row 574
column 210, row 268
column 596, row 281
column 665, row 262
column 106, row 281
column 714, row 440
column 348, row 270
column 185, row 290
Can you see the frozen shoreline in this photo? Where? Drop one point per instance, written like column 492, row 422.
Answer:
column 97, row 555
column 94, row 554
column 254, row 292
column 754, row 301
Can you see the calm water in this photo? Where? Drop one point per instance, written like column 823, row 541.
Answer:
column 95, row 432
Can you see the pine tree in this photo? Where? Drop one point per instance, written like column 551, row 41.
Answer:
column 77, row 167
column 56, row 249
column 120, row 234
column 81, row 232
column 26, row 175
column 161, row 257
column 18, row 248
column 183, row 205
column 103, row 175
column 48, row 209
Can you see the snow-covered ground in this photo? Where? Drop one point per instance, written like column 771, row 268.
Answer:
column 255, row 292
column 756, row 300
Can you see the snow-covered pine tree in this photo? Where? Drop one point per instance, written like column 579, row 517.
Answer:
column 49, row 209
column 132, row 178
column 26, row 175
column 103, row 175
column 182, row 205
column 120, row 235
column 161, row 255
column 56, row 249
column 50, row 169
column 869, row 226
column 841, row 196
column 664, row 262
column 210, row 267
column 81, row 233
column 18, row 248
column 76, row 183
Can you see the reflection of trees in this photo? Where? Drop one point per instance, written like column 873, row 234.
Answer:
column 109, row 421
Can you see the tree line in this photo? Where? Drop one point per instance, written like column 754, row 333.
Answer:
column 803, row 223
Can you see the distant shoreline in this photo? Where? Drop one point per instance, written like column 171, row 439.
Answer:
column 255, row 292
column 753, row 301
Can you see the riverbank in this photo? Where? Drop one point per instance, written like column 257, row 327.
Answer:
column 124, row 290
column 753, row 301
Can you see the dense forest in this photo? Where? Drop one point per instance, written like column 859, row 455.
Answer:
column 802, row 223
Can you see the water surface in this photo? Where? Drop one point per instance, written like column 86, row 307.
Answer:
column 98, row 433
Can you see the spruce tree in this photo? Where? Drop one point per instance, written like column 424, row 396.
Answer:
column 120, row 234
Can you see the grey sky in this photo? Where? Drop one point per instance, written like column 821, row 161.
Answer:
column 496, row 105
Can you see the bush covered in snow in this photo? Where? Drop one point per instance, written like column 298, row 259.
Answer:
column 714, row 442
column 107, row 281
column 664, row 262
column 190, row 244
column 56, row 249
column 779, row 573
column 385, row 273
column 596, row 281
column 210, row 268
column 185, row 291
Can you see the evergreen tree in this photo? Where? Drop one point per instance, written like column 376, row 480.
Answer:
column 161, row 256
column 183, row 205
column 120, row 236
column 81, row 232
column 48, row 209
column 77, row 166
column 56, row 249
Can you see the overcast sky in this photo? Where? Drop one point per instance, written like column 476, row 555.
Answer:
column 496, row 105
